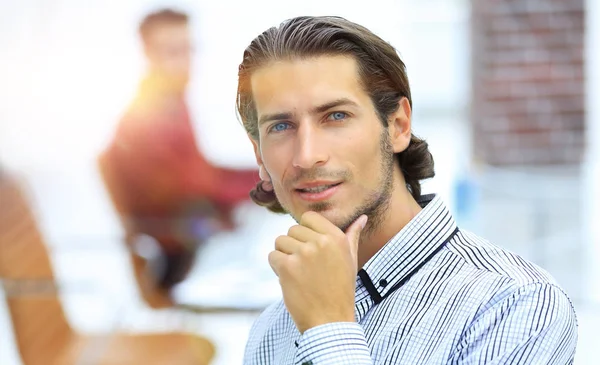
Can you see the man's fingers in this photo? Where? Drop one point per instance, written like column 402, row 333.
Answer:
column 303, row 234
column 287, row 245
column 353, row 233
column 317, row 223
column 277, row 260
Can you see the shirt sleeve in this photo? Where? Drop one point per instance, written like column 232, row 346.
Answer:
column 534, row 325
column 334, row 343
column 259, row 351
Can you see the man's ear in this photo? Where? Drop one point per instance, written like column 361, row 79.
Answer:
column 399, row 126
column 262, row 171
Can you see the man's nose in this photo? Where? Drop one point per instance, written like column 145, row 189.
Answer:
column 309, row 151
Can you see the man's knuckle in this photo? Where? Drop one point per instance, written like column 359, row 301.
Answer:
column 323, row 241
column 293, row 230
column 308, row 250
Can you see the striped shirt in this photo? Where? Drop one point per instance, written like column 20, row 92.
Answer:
column 433, row 294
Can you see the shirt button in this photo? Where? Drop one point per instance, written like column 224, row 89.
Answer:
column 296, row 343
column 383, row 283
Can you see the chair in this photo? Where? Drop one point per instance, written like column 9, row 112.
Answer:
column 42, row 331
column 154, row 296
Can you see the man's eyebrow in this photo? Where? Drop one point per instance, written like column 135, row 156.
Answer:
column 316, row 110
column 332, row 104
column 271, row 117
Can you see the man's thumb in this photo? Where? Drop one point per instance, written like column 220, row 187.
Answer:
column 353, row 232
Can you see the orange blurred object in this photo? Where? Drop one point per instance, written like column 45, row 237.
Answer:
column 42, row 332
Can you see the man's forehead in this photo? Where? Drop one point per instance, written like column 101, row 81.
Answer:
column 306, row 83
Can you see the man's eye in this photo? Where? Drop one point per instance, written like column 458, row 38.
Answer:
column 279, row 127
column 338, row 116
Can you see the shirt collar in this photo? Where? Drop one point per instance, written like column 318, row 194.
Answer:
column 407, row 251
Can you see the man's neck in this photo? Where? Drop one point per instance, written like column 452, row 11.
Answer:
column 401, row 210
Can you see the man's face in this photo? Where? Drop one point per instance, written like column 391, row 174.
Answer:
column 320, row 139
column 169, row 49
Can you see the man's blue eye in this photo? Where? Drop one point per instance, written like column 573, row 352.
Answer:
column 279, row 127
column 338, row 115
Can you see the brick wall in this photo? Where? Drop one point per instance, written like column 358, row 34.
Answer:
column 528, row 82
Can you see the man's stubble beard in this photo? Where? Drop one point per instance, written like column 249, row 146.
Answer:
column 376, row 204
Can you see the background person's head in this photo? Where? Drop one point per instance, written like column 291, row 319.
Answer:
column 166, row 39
column 364, row 141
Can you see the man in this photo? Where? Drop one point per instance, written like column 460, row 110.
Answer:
column 159, row 180
column 374, row 272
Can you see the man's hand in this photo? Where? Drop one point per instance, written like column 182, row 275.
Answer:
column 317, row 265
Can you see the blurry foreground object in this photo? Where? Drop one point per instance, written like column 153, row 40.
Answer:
column 42, row 332
column 163, row 188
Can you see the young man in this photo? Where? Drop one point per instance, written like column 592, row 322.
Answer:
column 374, row 272
column 161, row 183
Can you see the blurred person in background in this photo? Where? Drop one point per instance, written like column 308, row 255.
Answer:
column 374, row 272
column 161, row 184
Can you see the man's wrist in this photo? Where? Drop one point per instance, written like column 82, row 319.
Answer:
column 324, row 321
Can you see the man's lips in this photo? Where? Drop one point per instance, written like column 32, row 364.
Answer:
column 317, row 191
column 316, row 187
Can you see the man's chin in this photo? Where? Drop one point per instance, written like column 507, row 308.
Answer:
column 337, row 218
column 342, row 220
column 330, row 212
column 326, row 211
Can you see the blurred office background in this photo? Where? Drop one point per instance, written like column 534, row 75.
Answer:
column 507, row 93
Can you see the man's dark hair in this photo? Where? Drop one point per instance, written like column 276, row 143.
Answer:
column 158, row 18
column 382, row 74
